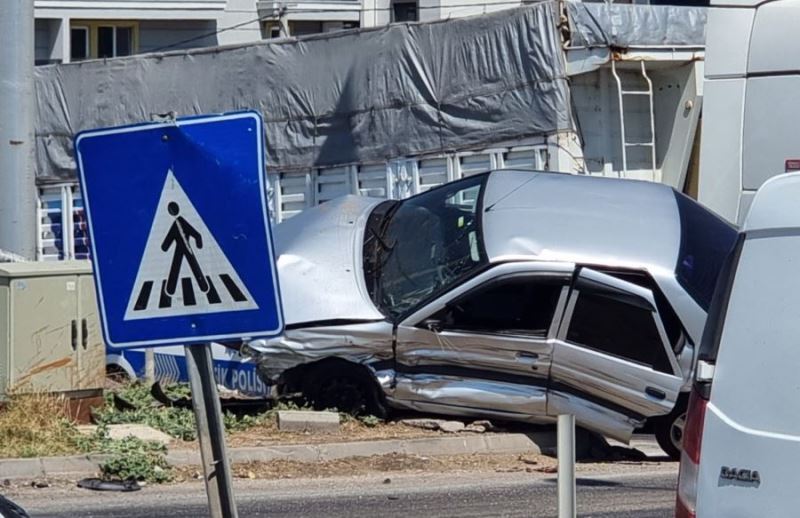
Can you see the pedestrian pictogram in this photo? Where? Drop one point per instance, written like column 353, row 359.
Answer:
column 183, row 270
column 179, row 230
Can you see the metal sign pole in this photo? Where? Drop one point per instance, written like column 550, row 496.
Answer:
column 210, row 432
column 566, row 466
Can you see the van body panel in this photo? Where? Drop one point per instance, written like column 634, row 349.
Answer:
column 729, row 28
column 769, row 136
column 720, row 147
column 728, row 444
column 774, row 46
column 750, row 445
column 749, row 112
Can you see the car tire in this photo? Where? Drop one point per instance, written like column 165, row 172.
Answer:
column 669, row 432
column 347, row 389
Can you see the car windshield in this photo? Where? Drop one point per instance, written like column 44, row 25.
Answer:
column 423, row 245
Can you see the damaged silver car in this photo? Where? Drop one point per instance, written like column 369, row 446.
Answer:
column 513, row 295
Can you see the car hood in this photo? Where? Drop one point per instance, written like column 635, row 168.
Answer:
column 319, row 262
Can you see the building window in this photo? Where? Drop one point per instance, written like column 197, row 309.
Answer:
column 304, row 28
column 404, row 12
column 79, row 43
column 113, row 41
column 63, row 232
column 271, row 29
column 93, row 39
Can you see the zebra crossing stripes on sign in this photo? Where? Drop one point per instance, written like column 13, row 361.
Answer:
column 183, row 270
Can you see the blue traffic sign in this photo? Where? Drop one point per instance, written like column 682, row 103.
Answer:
column 179, row 230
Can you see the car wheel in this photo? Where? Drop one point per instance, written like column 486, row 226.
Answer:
column 345, row 390
column 117, row 374
column 669, row 433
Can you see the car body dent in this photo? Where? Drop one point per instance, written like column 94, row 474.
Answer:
column 319, row 252
column 575, row 232
column 362, row 343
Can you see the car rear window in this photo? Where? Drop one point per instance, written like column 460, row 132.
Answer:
column 706, row 240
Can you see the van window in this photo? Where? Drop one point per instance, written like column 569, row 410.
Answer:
column 705, row 243
column 514, row 305
column 617, row 328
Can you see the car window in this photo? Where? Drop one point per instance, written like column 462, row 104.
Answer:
column 424, row 245
column 516, row 305
column 619, row 329
column 706, row 240
column 669, row 319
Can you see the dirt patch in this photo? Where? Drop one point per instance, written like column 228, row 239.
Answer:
column 392, row 463
column 267, row 434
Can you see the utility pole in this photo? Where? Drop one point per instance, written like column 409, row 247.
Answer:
column 17, row 182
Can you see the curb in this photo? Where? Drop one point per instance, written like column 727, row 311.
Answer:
column 84, row 465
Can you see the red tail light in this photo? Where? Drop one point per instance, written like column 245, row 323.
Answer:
column 685, row 506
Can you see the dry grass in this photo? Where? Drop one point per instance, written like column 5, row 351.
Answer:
column 36, row 424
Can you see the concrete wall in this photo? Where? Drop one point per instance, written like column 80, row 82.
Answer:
column 238, row 12
column 183, row 34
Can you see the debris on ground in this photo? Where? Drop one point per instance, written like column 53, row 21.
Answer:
column 99, row 484
column 450, row 426
column 121, row 431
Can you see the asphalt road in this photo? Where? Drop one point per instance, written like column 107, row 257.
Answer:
column 641, row 494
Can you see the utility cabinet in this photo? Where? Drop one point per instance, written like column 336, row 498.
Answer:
column 50, row 337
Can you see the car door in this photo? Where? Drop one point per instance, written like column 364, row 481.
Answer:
column 485, row 347
column 613, row 365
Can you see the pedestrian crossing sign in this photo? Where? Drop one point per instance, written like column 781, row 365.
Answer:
column 179, row 230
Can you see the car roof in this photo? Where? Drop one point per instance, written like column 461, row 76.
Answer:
column 577, row 218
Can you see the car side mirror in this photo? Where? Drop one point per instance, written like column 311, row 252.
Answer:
column 432, row 324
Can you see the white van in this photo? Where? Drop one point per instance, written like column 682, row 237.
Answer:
column 750, row 104
column 742, row 438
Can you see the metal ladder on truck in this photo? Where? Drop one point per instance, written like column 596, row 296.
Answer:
column 621, row 94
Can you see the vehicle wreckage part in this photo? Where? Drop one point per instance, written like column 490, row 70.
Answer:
column 236, row 405
column 342, row 385
column 98, row 484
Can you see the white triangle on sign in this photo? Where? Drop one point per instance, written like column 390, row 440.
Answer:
column 183, row 270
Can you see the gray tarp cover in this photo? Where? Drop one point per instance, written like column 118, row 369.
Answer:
column 348, row 97
column 620, row 25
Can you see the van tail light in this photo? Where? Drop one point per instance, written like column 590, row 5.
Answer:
column 685, row 506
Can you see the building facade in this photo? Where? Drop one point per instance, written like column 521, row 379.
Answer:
column 74, row 30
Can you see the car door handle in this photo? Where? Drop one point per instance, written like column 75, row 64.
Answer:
column 526, row 354
column 654, row 392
